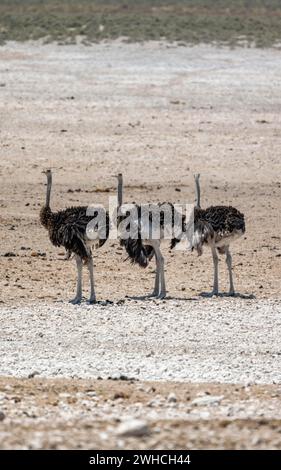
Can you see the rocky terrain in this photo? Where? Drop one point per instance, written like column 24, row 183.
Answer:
column 186, row 372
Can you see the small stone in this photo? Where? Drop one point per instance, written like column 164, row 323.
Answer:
column 208, row 400
column 115, row 376
column 33, row 374
column 2, row 416
column 172, row 398
column 150, row 354
column 118, row 395
column 133, row 428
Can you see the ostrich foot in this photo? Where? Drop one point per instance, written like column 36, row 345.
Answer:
column 214, row 293
column 162, row 295
column 92, row 300
column 153, row 294
column 231, row 293
column 76, row 300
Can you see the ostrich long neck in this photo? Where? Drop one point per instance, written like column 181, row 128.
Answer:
column 120, row 191
column 48, row 193
column 46, row 213
column 49, row 187
column 197, row 184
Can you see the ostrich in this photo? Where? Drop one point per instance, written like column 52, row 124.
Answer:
column 216, row 227
column 78, row 233
column 143, row 245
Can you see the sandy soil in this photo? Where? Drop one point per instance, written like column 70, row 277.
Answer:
column 158, row 113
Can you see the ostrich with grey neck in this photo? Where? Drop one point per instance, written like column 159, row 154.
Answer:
column 78, row 229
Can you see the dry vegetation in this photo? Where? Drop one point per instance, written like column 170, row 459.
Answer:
column 187, row 21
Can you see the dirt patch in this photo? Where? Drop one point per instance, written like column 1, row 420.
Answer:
column 63, row 414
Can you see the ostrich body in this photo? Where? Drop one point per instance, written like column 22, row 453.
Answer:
column 216, row 227
column 68, row 228
column 144, row 244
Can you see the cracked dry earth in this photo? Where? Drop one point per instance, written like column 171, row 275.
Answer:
column 200, row 373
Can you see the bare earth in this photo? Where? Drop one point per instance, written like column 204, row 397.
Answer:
column 63, row 414
column 158, row 113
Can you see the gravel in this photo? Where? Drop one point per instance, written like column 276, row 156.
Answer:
column 205, row 340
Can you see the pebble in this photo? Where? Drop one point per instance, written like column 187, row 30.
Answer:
column 209, row 400
column 133, row 428
column 33, row 374
column 172, row 398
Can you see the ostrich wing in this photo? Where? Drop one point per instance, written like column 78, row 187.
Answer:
column 69, row 229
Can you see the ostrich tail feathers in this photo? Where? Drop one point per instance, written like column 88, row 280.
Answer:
column 174, row 242
column 203, row 232
column 137, row 252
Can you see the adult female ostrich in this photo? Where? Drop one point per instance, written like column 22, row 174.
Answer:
column 144, row 241
column 78, row 229
column 216, row 227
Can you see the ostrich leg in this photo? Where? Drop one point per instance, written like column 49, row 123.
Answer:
column 162, row 294
column 229, row 266
column 156, row 289
column 92, row 299
column 77, row 299
column 160, row 271
column 215, row 290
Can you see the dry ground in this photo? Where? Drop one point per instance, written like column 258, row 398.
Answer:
column 158, row 113
column 63, row 414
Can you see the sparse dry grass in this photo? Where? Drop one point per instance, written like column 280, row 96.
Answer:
column 187, row 21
